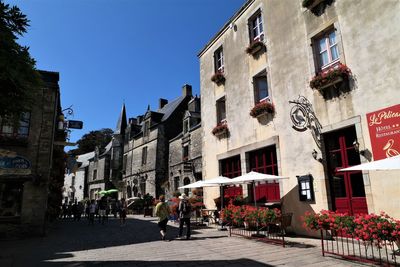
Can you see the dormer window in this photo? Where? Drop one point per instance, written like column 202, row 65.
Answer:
column 186, row 125
column 146, row 129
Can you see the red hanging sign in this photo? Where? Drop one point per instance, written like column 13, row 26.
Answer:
column 384, row 131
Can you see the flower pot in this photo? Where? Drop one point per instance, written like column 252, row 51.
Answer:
column 333, row 82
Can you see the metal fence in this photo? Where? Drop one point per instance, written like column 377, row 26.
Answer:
column 357, row 250
column 271, row 233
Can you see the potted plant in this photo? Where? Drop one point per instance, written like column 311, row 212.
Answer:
column 218, row 78
column 330, row 77
column 261, row 109
column 310, row 4
column 255, row 47
column 220, row 130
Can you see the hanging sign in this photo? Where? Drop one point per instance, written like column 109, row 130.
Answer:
column 384, row 131
column 75, row 124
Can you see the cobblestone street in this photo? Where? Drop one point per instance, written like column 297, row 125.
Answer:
column 138, row 243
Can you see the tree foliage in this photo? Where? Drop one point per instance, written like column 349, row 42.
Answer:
column 18, row 75
column 89, row 141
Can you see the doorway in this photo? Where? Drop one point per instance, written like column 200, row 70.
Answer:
column 347, row 188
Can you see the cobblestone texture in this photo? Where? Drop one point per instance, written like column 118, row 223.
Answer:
column 138, row 243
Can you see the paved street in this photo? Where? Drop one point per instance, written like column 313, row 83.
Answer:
column 138, row 244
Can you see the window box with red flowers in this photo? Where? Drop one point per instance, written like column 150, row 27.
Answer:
column 261, row 109
column 330, row 77
column 218, row 78
column 221, row 130
column 255, row 47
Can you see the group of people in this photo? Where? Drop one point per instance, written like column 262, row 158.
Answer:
column 95, row 208
column 163, row 213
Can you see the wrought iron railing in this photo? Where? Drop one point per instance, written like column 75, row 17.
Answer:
column 385, row 254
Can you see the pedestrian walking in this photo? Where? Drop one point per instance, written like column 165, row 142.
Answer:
column 162, row 212
column 92, row 211
column 122, row 212
column 184, row 210
column 80, row 210
column 103, row 209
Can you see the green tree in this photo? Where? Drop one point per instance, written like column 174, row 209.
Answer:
column 19, row 78
column 89, row 141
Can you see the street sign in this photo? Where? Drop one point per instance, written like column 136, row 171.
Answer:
column 75, row 124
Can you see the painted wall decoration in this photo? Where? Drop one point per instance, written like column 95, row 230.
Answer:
column 384, row 131
column 303, row 117
column 11, row 163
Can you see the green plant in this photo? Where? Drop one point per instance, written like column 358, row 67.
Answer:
column 218, row 77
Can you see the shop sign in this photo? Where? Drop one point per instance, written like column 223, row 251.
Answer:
column 384, row 131
column 13, row 164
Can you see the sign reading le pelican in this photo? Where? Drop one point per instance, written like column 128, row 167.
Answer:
column 384, row 131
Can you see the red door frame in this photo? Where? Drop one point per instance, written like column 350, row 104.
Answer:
column 348, row 204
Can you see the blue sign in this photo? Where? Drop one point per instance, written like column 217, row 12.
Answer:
column 17, row 162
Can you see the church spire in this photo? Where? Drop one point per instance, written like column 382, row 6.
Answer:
column 121, row 124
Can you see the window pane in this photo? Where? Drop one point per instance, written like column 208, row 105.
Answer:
column 334, row 52
column 322, row 45
column 262, row 88
column 339, row 188
column 357, row 185
column 332, row 38
column 261, row 27
column 324, row 58
column 7, row 129
column 23, row 131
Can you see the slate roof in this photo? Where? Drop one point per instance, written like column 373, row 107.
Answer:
column 84, row 159
column 169, row 108
column 121, row 124
column 107, row 149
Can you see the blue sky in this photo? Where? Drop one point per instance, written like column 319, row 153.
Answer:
column 111, row 51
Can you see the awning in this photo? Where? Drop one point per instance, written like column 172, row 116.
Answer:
column 392, row 163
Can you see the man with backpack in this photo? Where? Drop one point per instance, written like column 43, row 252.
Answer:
column 184, row 210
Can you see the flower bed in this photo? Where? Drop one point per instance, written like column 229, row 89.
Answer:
column 218, row 78
column 366, row 227
column 262, row 108
column 329, row 77
column 238, row 215
column 220, row 129
column 365, row 237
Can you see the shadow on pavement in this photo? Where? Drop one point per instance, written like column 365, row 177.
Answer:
column 238, row 262
column 67, row 236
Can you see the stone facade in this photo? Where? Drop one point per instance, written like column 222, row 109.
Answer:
column 24, row 190
column 335, row 115
column 147, row 146
column 185, row 151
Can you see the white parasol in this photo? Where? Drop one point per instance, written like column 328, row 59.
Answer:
column 392, row 163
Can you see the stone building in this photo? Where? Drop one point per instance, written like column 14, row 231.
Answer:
column 76, row 182
column 146, row 147
column 185, row 164
column 265, row 60
column 28, row 151
column 105, row 168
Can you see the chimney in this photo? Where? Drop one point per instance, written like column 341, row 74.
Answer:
column 187, row 90
column 162, row 102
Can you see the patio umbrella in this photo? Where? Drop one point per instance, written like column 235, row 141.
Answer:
column 102, row 192
column 392, row 163
column 193, row 185
column 253, row 177
column 112, row 191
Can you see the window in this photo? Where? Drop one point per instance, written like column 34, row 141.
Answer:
column 185, row 154
column 94, row 174
column 306, row 189
column 10, row 199
column 221, row 112
column 146, row 129
column 19, row 129
column 230, row 167
column 186, row 126
column 260, row 84
column 73, row 180
column 144, row 155
column 256, row 27
column 326, row 49
column 176, row 183
column 219, row 60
